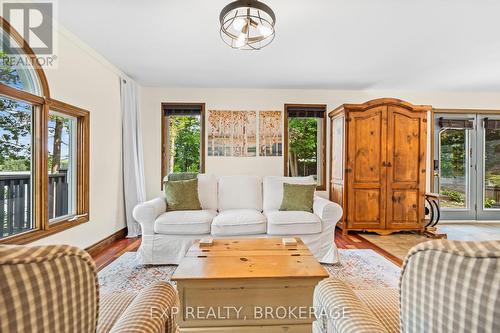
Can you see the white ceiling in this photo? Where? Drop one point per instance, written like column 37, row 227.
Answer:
column 330, row 44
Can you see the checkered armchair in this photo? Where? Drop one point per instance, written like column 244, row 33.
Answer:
column 445, row 287
column 55, row 289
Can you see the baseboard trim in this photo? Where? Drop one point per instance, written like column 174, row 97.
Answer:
column 97, row 248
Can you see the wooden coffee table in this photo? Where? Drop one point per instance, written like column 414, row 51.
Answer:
column 247, row 285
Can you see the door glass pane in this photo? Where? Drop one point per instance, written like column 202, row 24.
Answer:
column 492, row 169
column 184, row 143
column 305, row 138
column 454, row 162
column 15, row 167
column 61, row 165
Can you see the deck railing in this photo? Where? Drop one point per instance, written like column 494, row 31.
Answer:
column 16, row 203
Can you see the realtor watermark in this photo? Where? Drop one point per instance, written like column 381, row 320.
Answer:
column 253, row 313
column 31, row 23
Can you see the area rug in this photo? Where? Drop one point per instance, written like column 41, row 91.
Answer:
column 361, row 269
column 397, row 244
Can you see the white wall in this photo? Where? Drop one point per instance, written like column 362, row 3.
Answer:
column 84, row 79
column 269, row 99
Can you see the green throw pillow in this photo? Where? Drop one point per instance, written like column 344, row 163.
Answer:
column 182, row 175
column 298, row 197
column 182, row 195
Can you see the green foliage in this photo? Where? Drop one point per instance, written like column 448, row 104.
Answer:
column 184, row 134
column 15, row 124
column 64, row 164
column 452, row 153
column 492, row 156
column 303, row 146
column 303, row 133
column 454, row 196
column 22, row 164
column 8, row 74
column 492, row 179
column 488, row 203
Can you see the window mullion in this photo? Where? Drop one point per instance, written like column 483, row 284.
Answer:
column 82, row 162
column 40, row 183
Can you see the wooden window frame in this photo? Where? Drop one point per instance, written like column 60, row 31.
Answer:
column 322, row 186
column 164, row 136
column 42, row 105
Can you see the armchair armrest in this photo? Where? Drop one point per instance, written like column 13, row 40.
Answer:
column 153, row 310
column 339, row 310
column 147, row 212
column 328, row 211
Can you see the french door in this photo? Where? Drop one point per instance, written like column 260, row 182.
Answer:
column 467, row 165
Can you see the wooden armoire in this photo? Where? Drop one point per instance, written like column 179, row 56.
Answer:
column 378, row 165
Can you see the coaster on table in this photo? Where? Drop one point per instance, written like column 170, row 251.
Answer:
column 289, row 241
column 206, row 242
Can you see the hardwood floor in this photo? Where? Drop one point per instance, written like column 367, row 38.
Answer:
column 352, row 241
column 115, row 250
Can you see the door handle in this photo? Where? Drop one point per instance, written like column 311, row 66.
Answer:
column 383, row 164
column 389, row 165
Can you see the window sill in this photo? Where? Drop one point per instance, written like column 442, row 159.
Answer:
column 33, row 235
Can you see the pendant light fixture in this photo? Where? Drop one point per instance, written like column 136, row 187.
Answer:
column 247, row 24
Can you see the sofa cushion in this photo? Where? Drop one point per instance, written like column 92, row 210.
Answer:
column 111, row 307
column 292, row 223
column 239, row 222
column 240, row 192
column 184, row 222
column 384, row 303
column 207, row 191
column 273, row 189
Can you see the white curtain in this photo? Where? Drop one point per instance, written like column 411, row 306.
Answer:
column 134, row 187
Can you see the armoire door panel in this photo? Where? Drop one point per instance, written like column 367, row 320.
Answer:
column 367, row 132
column 368, row 148
column 405, row 205
column 406, row 134
column 367, row 209
column 406, row 145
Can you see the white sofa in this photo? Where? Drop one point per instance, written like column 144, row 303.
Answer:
column 235, row 207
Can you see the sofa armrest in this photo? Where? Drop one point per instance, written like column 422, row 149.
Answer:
column 153, row 310
column 339, row 310
column 328, row 211
column 147, row 212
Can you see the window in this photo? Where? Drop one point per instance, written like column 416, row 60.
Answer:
column 467, row 163
column 305, row 142
column 18, row 77
column 183, row 137
column 44, row 155
column 16, row 166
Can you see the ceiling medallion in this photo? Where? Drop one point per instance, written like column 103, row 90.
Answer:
column 247, row 24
